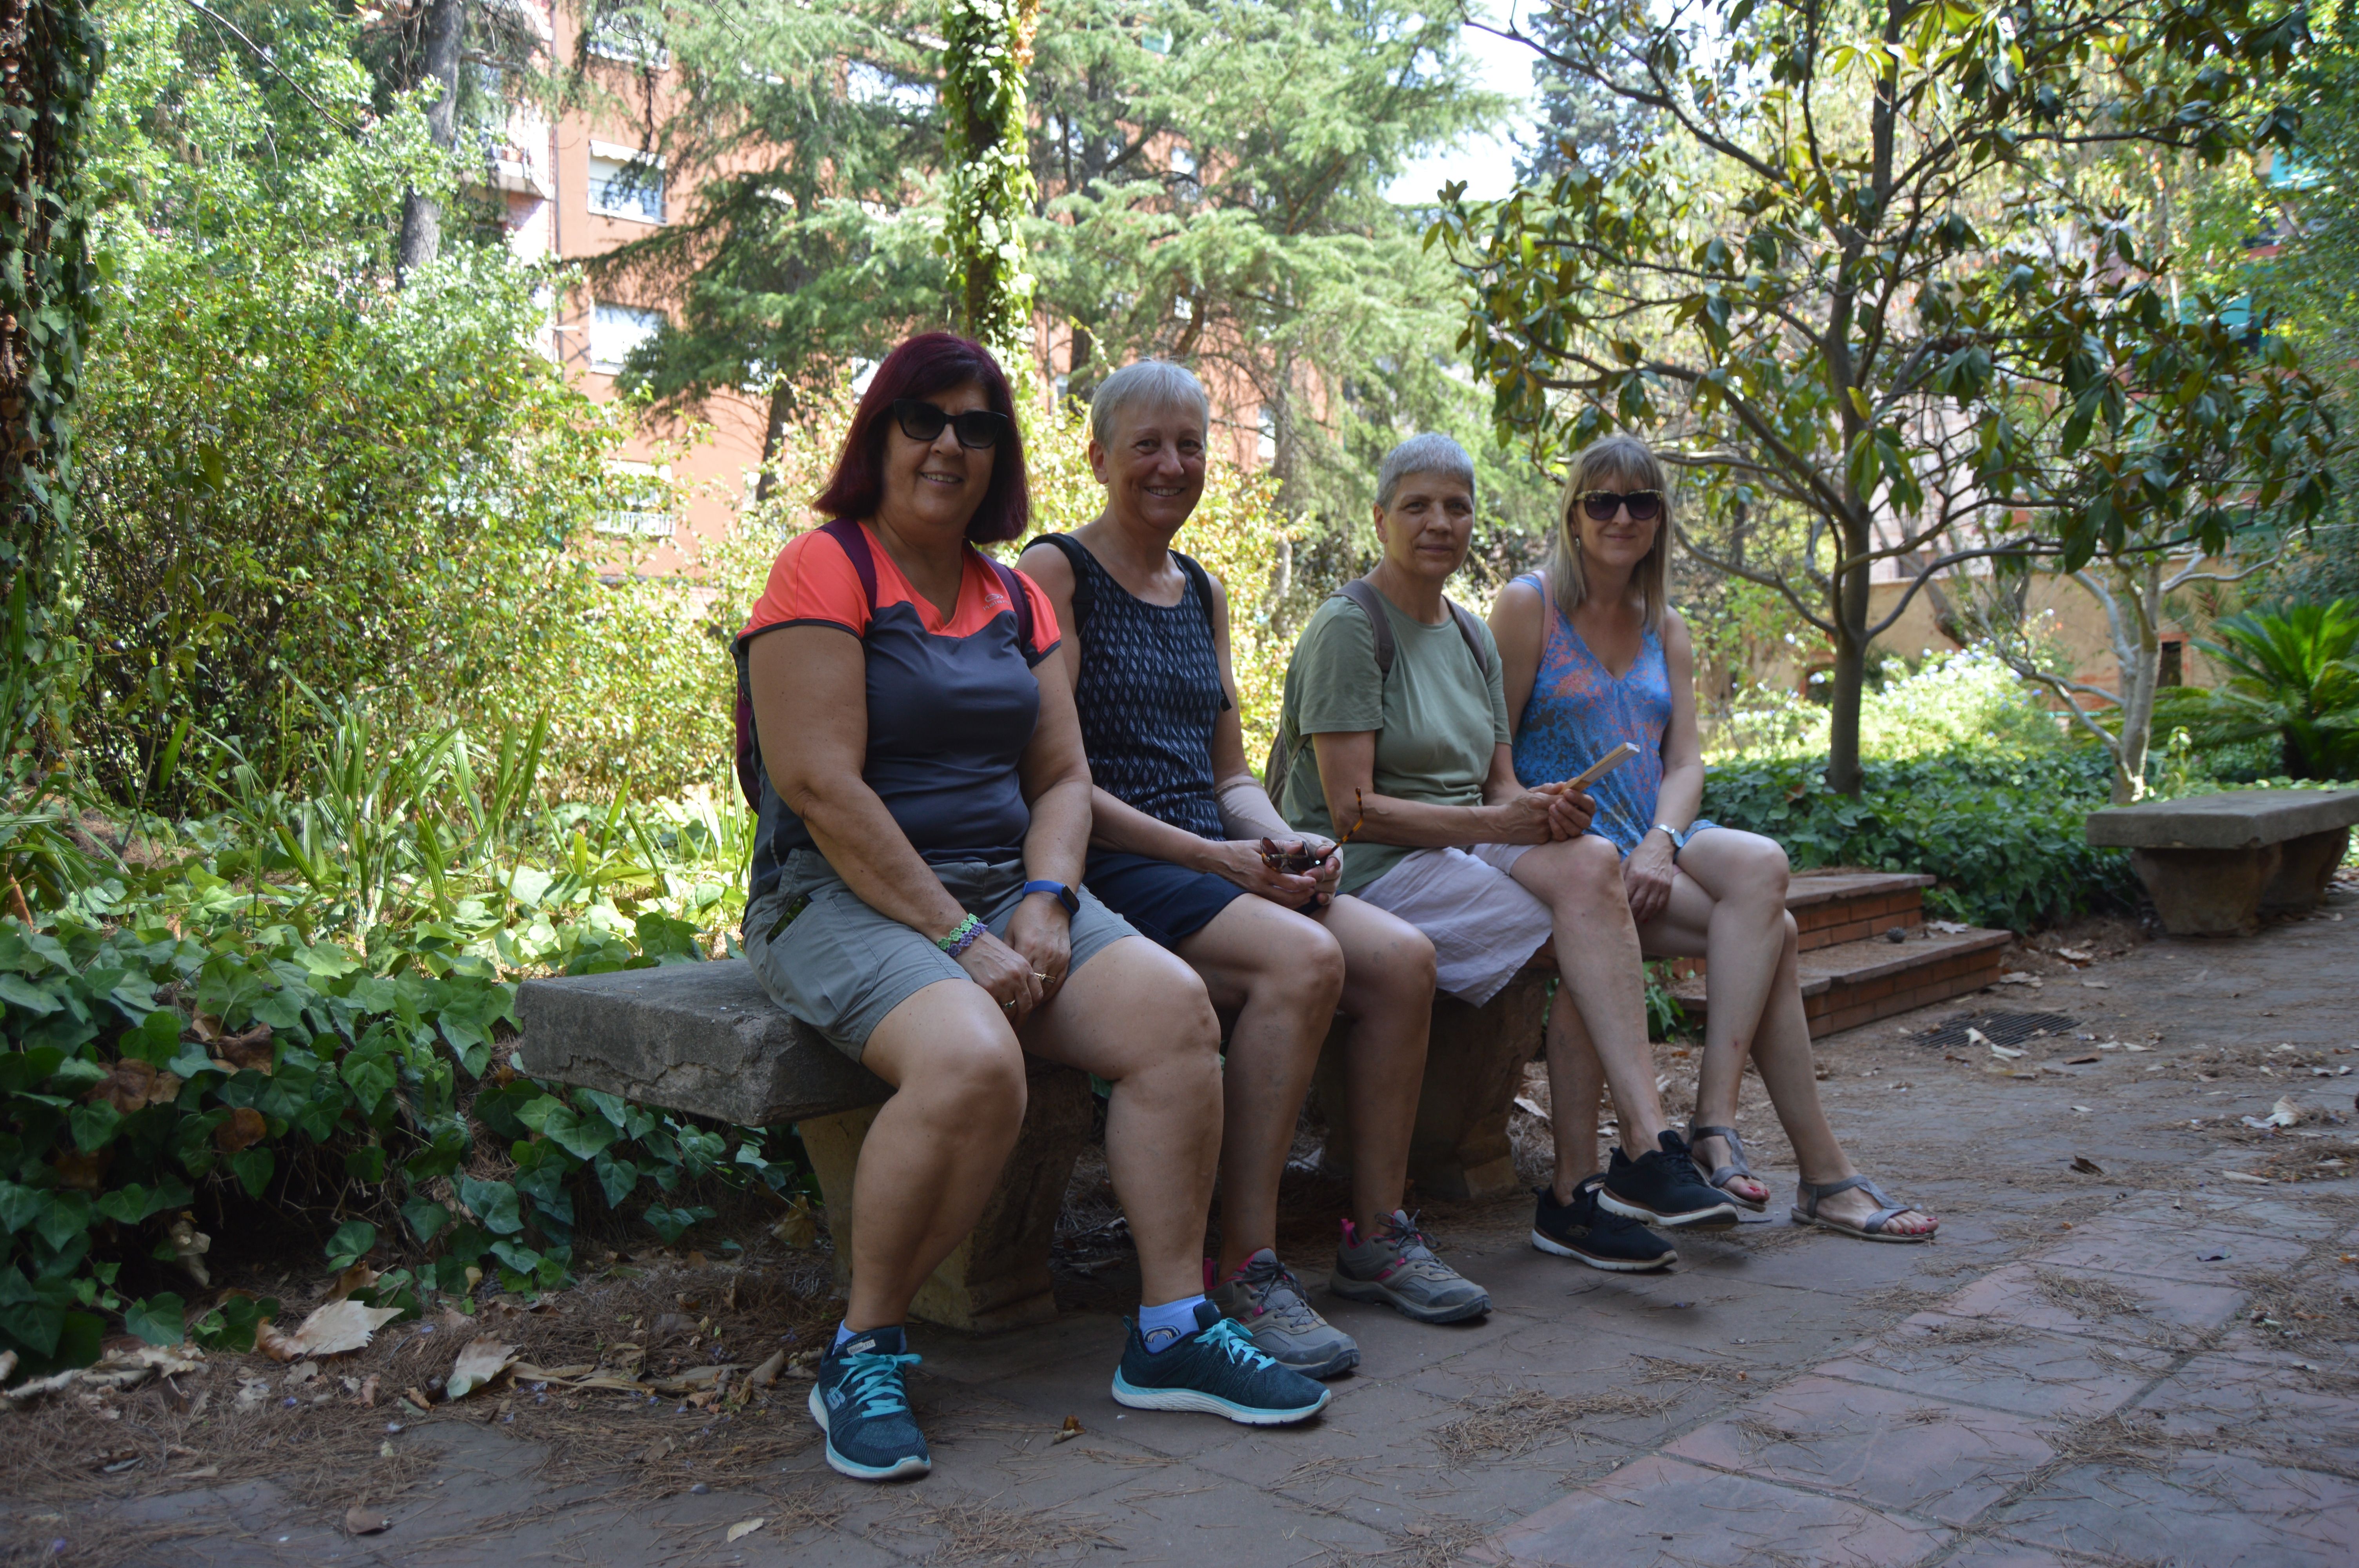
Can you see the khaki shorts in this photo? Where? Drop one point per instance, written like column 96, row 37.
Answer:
column 1484, row 924
column 840, row 967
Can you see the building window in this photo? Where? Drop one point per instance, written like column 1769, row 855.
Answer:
column 614, row 35
column 625, row 183
column 642, row 497
column 616, row 330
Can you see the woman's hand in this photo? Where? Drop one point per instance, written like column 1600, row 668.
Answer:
column 1647, row 876
column 1042, row 934
column 1573, row 812
column 1329, row 872
column 1239, row 860
column 1527, row 816
column 1007, row 974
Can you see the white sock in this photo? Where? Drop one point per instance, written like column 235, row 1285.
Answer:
column 1163, row 1326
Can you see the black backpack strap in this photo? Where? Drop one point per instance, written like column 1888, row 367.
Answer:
column 1363, row 592
column 1465, row 619
column 854, row 538
column 1085, row 586
column 853, row 541
column 1201, row 581
column 1019, row 599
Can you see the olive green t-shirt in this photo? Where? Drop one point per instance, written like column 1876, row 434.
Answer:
column 1438, row 720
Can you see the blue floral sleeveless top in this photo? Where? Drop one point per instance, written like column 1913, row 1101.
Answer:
column 1578, row 711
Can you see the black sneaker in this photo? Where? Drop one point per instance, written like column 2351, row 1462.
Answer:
column 1595, row 1235
column 1662, row 1187
column 862, row 1405
column 1217, row 1370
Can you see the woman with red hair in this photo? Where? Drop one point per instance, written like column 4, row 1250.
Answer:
column 916, row 898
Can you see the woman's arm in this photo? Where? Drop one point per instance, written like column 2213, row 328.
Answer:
column 1056, row 779
column 1518, row 625
column 811, row 682
column 1649, row 869
column 1510, row 813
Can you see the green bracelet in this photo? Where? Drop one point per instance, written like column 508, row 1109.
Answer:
column 961, row 937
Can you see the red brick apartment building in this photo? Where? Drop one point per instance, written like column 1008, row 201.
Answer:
column 568, row 195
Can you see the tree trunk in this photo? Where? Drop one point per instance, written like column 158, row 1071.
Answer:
column 774, row 435
column 1843, row 775
column 986, row 51
column 422, row 215
column 2141, row 673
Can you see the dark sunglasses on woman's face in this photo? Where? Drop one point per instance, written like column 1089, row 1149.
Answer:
column 979, row 429
column 1602, row 505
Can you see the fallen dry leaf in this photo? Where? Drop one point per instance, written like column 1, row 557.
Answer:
column 251, row 1050
column 798, row 1228
column 190, row 1246
column 2081, row 1061
column 479, row 1363
column 2087, row 1166
column 130, row 1085
column 2009, row 1051
column 2245, row 1176
column 362, row 1520
column 369, row 1389
column 762, row 1376
column 1072, row 1428
column 2098, row 984
column 744, row 1528
column 2078, row 955
column 656, row 1450
column 243, row 1130
column 333, row 1330
column 1532, row 1107
column 2020, row 977
column 7, row 1364
column 359, row 1277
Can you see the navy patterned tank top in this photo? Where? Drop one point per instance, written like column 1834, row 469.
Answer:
column 1149, row 692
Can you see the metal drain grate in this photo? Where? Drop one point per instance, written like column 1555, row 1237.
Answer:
column 1998, row 1027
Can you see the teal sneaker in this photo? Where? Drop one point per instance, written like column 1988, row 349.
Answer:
column 861, row 1404
column 1216, row 1370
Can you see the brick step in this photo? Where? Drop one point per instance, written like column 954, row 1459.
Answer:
column 1831, row 907
column 1852, row 983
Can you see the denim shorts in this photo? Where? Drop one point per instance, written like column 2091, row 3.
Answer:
column 837, row 965
column 1166, row 903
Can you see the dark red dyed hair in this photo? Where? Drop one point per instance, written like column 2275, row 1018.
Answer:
column 928, row 363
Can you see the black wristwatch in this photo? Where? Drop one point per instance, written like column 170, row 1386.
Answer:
column 1064, row 892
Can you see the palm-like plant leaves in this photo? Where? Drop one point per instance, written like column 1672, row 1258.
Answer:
column 2294, row 677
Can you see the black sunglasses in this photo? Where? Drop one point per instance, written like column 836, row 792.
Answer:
column 1602, row 505
column 979, row 429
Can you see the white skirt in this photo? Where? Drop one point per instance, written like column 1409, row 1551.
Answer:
column 1485, row 926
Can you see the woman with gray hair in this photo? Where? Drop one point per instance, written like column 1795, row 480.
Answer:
column 1187, row 846
column 1397, row 721
column 1596, row 658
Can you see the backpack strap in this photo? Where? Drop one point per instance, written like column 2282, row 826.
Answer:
column 1085, row 587
column 1201, row 581
column 1465, row 619
column 1011, row 583
column 1363, row 592
column 853, row 541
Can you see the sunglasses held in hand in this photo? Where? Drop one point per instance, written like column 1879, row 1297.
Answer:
column 979, row 429
column 1298, row 862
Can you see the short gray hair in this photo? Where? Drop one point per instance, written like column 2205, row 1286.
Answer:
column 1430, row 453
column 1152, row 383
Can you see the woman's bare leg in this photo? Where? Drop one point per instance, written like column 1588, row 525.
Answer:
column 1137, row 1016
column 1280, row 976
column 1388, row 995
column 1759, row 950
column 934, row 1153
column 1598, row 961
column 1576, row 1089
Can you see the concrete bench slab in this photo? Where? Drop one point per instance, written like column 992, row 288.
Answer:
column 706, row 1039
column 2215, row 864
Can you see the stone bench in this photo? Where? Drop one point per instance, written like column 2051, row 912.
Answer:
column 2214, row 864
column 704, row 1038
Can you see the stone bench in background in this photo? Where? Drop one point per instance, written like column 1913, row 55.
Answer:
column 2214, row 864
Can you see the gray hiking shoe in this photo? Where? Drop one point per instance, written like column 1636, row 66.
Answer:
column 1265, row 1299
column 1395, row 1267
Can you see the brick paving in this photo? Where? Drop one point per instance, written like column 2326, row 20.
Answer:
column 2089, row 1370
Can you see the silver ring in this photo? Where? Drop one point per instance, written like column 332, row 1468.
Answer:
column 1007, row 1007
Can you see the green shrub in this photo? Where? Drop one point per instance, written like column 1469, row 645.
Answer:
column 2003, row 834
column 2292, row 682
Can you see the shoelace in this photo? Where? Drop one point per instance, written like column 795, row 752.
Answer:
column 1277, row 1291
column 873, row 1383
column 1410, row 1243
column 1228, row 1337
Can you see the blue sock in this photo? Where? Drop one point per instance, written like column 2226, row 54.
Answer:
column 1161, row 1327
column 841, row 1335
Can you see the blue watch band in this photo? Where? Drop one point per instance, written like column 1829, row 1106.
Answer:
column 1065, row 894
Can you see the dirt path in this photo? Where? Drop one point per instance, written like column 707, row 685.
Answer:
column 2119, row 1351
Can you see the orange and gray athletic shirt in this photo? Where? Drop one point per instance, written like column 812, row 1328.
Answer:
column 952, row 703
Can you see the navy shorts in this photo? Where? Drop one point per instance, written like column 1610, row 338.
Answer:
column 1163, row 902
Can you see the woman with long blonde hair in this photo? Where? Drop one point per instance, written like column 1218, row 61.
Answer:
column 1594, row 655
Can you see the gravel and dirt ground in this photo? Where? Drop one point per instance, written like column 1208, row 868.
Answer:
column 2135, row 1342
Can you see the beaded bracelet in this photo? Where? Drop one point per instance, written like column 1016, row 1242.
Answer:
column 961, row 937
